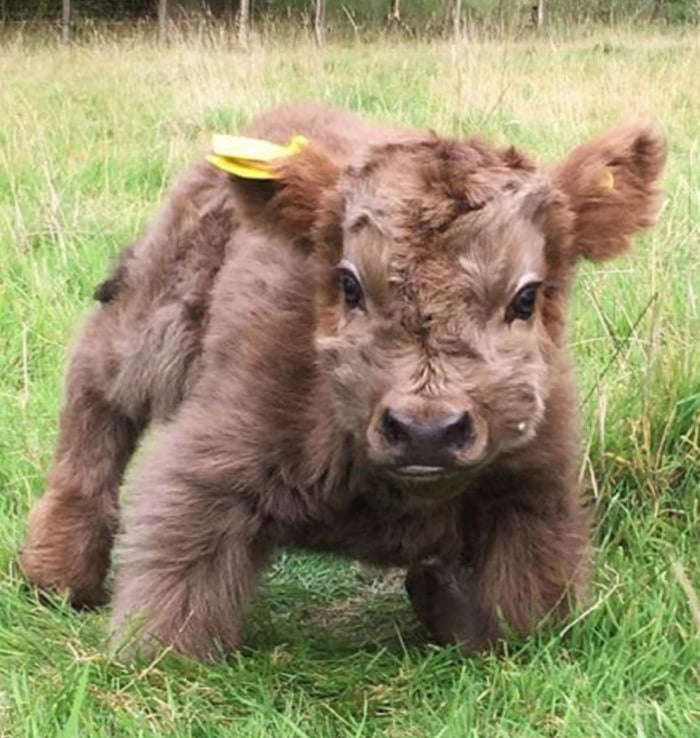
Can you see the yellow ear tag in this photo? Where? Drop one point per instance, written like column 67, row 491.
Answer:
column 606, row 179
column 251, row 158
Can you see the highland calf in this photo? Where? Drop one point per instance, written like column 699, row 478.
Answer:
column 366, row 356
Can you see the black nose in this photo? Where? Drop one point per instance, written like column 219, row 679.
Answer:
column 431, row 443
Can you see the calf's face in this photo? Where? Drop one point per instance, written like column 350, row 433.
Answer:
column 443, row 272
column 433, row 335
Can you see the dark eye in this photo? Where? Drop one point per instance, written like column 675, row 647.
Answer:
column 522, row 306
column 352, row 291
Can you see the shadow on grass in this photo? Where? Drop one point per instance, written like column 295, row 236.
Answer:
column 368, row 612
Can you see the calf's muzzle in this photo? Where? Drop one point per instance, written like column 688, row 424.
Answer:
column 421, row 446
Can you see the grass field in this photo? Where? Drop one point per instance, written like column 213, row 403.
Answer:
column 89, row 138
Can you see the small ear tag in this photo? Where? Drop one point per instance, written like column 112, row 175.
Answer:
column 606, row 179
column 251, row 158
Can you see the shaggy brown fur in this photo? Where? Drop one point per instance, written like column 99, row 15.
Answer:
column 341, row 360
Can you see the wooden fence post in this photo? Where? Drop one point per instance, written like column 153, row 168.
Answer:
column 457, row 18
column 394, row 22
column 66, row 21
column 243, row 22
column 538, row 14
column 319, row 21
column 162, row 21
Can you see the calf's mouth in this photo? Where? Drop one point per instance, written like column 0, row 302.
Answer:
column 423, row 473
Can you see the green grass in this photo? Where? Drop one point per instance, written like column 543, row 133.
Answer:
column 89, row 138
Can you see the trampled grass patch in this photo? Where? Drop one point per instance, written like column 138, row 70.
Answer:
column 89, row 138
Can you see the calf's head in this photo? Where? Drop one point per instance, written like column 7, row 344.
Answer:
column 443, row 273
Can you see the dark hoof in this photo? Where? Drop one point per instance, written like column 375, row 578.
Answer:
column 421, row 587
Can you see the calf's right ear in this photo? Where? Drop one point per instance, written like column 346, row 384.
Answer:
column 611, row 184
column 292, row 194
column 305, row 198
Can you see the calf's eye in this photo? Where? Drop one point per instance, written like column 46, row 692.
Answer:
column 352, row 291
column 522, row 306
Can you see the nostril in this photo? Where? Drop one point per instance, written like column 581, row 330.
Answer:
column 393, row 429
column 457, row 433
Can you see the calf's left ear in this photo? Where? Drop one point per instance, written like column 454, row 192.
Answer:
column 611, row 184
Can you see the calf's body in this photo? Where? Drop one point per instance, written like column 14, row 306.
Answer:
column 364, row 355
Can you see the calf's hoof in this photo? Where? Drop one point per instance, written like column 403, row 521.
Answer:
column 40, row 568
column 62, row 555
column 444, row 602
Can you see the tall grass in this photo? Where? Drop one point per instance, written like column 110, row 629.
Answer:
column 91, row 135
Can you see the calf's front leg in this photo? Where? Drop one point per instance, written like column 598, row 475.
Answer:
column 528, row 563
column 189, row 557
column 71, row 528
